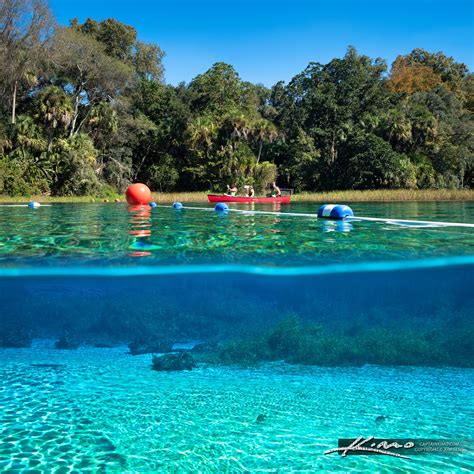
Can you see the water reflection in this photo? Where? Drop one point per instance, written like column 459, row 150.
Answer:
column 276, row 207
column 140, row 229
column 107, row 231
column 336, row 226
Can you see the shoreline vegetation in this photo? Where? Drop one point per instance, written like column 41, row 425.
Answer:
column 85, row 110
column 377, row 195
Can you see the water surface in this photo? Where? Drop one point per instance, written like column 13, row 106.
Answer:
column 115, row 233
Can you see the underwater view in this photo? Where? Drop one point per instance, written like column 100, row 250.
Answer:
column 139, row 339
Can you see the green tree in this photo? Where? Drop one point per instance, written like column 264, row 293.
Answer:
column 303, row 166
column 217, row 91
column 327, row 102
column 55, row 111
column 25, row 29
column 451, row 163
column 162, row 175
column 147, row 61
column 73, row 159
column 371, row 163
column 82, row 65
column 120, row 42
column 117, row 38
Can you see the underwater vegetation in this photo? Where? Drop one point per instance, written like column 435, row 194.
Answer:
column 173, row 362
column 299, row 342
column 15, row 337
column 408, row 340
column 66, row 341
column 149, row 344
column 446, row 338
column 419, row 318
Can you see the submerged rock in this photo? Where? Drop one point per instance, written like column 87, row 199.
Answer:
column 261, row 418
column 174, row 361
column 149, row 346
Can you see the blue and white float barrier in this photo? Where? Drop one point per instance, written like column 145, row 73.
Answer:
column 337, row 212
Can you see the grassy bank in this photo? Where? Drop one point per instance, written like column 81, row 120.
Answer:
column 157, row 197
column 389, row 195
column 380, row 195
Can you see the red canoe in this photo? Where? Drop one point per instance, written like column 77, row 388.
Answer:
column 224, row 198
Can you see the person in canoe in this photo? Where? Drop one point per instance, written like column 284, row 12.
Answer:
column 250, row 192
column 231, row 190
column 276, row 191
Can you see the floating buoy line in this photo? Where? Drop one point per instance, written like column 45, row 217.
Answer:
column 32, row 205
column 327, row 211
column 141, row 195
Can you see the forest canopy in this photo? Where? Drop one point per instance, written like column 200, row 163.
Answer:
column 85, row 109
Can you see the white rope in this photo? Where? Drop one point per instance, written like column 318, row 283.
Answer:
column 23, row 205
column 408, row 221
column 347, row 219
column 245, row 211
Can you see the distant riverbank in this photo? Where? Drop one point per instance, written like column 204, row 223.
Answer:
column 379, row 195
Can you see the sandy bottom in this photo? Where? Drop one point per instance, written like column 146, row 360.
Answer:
column 101, row 409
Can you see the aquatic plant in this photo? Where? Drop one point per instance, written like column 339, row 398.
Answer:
column 66, row 342
column 149, row 345
column 297, row 342
column 173, row 362
column 15, row 337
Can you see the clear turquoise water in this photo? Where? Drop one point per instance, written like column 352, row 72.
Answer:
column 109, row 273
column 100, row 409
column 111, row 233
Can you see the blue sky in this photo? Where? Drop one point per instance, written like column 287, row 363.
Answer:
column 271, row 40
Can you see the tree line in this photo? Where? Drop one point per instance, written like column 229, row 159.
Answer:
column 85, row 110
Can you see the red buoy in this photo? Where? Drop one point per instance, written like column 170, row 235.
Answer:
column 138, row 193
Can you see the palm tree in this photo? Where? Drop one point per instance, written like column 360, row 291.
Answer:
column 264, row 131
column 55, row 111
column 396, row 127
column 202, row 133
column 28, row 135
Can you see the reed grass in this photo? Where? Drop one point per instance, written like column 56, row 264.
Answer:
column 378, row 195
column 181, row 197
column 58, row 199
column 383, row 195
